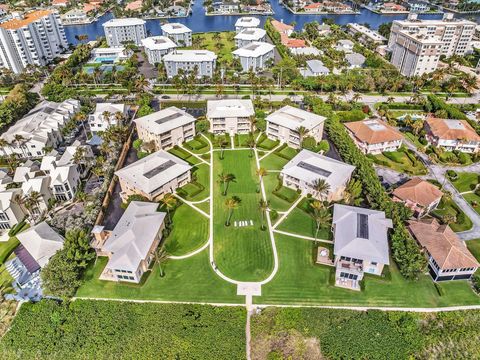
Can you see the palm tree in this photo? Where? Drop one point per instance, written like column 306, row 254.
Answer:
column 261, row 172
column 417, row 126
column 356, row 98
column 302, row 132
column 390, row 99
column 161, row 256
column 32, row 202
column 106, row 116
column 321, row 188
column 222, row 179
column 119, row 117
column 223, row 145
column 322, row 219
column 79, row 157
column 170, row 202
column 352, row 193
column 251, row 144
column 263, row 207
column 252, row 120
column 3, row 144
column 19, row 140
column 231, row 204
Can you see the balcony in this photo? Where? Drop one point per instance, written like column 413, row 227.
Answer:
column 350, row 266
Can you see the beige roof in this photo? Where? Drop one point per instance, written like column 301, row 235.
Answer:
column 448, row 251
column 418, row 191
column 280, row 26
column 450, row 129
column 373, row 131
column 28, row 19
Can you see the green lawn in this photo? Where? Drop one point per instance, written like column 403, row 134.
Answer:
column 466, row 181
column 223, row 46
column 270, row 182
column 300, row 281
column 190, row 231
column 184, row 155
column 242, row 253
column 399, row 161
column 198, row 145
column 474, row 200
column 448, row 206
column 193, row 191
column 301, row 223
column 273, row 162
column 474, row 247
column 7, row 247
column 414, row 139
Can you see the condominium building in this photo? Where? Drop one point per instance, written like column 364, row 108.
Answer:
column 246, row 22
column 11, row 213
column 374, row 136
column 154, row 176
column 119, row 32
column 286, row 124
column 452, row 134
column 166, row 128
column 105, row 115
column 454, row 34
column 248, row 36
column 203, row 62
column 366, row 35
column 179, row 33
column 36, row 39
column 255, row 55
column 156, row 47
column 230, row 116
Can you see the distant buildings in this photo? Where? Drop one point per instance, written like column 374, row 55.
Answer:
column 105, row 115
column 284, row 125
column 230, row 116
column 345, row 45
column 391, row 7
column 34, row 39
column 366, row 35
column 314, row 68
column 418, row 195
column 355, row 60
column 246, row 22
column 153, row 176
column 156, row 47
column 179, row 33
column 255, row 55
column 452, row 135
column 418, row 6
column 166, row 128
column 306, row 168
column 201, row 61
column 248, row 36
column 373, row 136
column 119, row 32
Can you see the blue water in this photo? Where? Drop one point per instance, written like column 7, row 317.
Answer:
column 199, row 22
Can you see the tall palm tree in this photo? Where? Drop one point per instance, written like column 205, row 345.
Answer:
column 3, row 144
column 302, row 132
column 251, row 144
column 161, row 256
column 169, row 201
column 119, row 117
column 222, row 179
column 321, row 188
column 19, row 140
column 253, row 121
column 106, row 116
column 263, row 207
column 231, row 204
column 261, row 172
column 322, row 219
column 223, row 145
column 353, row 192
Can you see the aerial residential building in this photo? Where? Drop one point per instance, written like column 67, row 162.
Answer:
column 283, row 29
column 255, row 55
column 131, row 245
column 418, row 6
column 246, row 22
column 74, row 16
column 110, row 55
column 40, row 128
column 454, row 34
column 166, row 128
column 226, row 7
column 324, row 29
column 355, row 60
column 391, row 7
column 36, row 39
column 306, row 168
column 285, row 123
column 418, row 195
column 360, row 244
column 5, row 179
column 59, row 3
column 156, row 47
column 179, row 33
column 153, row 176
column 345, row 45
column 11, row 213
column 201, row 61
column 373, row 136
column 248, row 36
column 366, row 35
column 230, row 116
column 448, row 256
column 119, row 32
column 41, row 186
column 134, row 5
column 105, row 115
column 314, row 68
column 451, row 134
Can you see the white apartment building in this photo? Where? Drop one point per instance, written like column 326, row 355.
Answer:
column 40, row 128
column 373, row 136
column 248, row 36
column 156, row 47
column 118, row 32
column 367, row 36
column 179, row 33
column 283, row 125
column 452, row 134
column 166, row 128
column 74, row 16
column 230, row 116
column 36, row 38
column 415, row 54
column 454, row 34
column 246, row 22
column 11, row 213
column 105, row 115
column 255, row 55
column 201, row 61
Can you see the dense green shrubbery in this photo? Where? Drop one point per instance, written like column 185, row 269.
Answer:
column 108, row 329
column 352, row 115
column 17, row 103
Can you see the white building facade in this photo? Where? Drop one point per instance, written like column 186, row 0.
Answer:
column 179, row 33
column 156, row 47
column 230, row 116
column 255, row 55
column 119, row 32
column 105, row 115
column 201, row 61
column 248, row 36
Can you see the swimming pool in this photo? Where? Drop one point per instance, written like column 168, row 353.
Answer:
column 105, row 59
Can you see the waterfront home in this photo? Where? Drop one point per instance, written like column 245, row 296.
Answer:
column 226, row 7
column 360, row 244
column 365, row 35
column 156, row 47
column 59, row 3
column 178, row 32
column 255, row 56
column 314, row 68
column 374, row 136
column 166, row 128
column 324, row 30
column 391, row 7
column 418, row 6
column 153, row 176
column 307, row 168
column 345, row 45
column 355, row 60
column 418, row 195
column 134, row 5
column 230, row 116
column 448, row 256
column 105, row 115
column 74, row 16
column 286, row 124
column 451, row 134
column 248, row 36
column 202, row 62
column 283, row 29
column 118, row 32
column 131, row 245
column 246, row 22
column 11, row 213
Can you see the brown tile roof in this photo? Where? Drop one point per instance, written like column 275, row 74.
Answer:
column 281, row 27
column 294, row 43
column 28, row 19
column 373, row 131
column 418, row 191
column 443, row 244
column 451, row 129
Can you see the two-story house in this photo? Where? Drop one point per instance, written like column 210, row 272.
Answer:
column 374, row 136
column 230, row 116
column 418, row 195
column 452, row 134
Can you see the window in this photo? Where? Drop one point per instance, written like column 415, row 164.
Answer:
column 374, row 263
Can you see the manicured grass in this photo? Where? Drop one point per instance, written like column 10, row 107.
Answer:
column 189, row 232
column 466, row 181
column 300, row 223
column 223, row 46
column 7, row 247
column 474, row 247
column 184, row 155
column 266, row 143
column 414, row 139
column 270, row 182
column 399, row 161
column 205, row 206
column 202, row 172
column 191, row 279
column 197, row 145
column 448, row 206
column 300, row 281
column 473, row 199
column 273, row 162
column 242, row 253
